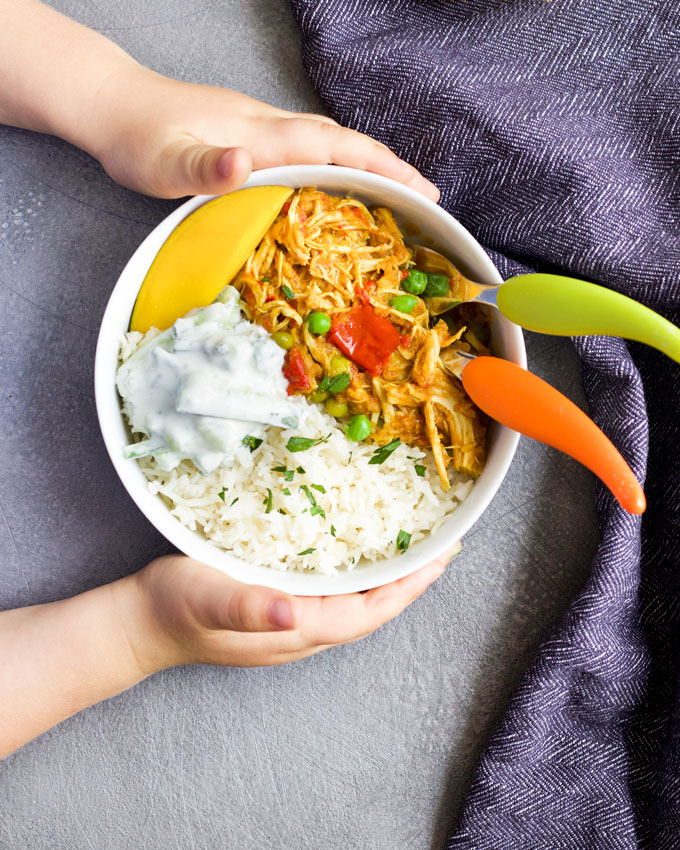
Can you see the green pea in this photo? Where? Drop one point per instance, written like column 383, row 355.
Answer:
column 337, row 408
column 414, row 282
column 404, row 303
column 283, row 339
column 358, row 428
column 318, row 395
column 338, row 365
column 437, row 286
column 319, row 323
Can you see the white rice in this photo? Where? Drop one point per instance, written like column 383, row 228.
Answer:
column 366, row 505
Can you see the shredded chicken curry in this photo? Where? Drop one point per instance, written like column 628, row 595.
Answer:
column 331, row 255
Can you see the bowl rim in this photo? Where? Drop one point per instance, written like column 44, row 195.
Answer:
column 112, row 425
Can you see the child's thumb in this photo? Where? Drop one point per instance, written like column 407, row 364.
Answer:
column 196, row 169
column 251, row 608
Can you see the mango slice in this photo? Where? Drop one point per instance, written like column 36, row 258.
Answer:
column 203, row 253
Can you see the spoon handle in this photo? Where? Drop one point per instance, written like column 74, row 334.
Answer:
column 564, row 306
column 525, row 403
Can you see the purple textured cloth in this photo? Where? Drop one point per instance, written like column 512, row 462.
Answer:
column 553, row 131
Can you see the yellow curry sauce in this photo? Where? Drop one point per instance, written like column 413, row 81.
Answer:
column 332, row 255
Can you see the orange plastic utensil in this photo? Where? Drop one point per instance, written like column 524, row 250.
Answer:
column 525, row 403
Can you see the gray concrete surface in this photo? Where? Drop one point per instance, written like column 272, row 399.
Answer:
column 368, row 746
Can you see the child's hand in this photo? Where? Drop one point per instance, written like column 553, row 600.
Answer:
column 186, row 613
column 175, row 611
column 153, row 134
column 164, row 138
column 167, row 138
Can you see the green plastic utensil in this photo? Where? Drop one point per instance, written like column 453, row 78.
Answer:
column 566, row 306
column 552, row 304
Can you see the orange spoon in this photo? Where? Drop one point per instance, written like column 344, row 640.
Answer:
column 525, row 403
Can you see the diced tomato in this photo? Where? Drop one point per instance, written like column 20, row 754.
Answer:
column 404, row 274
column 295, row 371
column 404, row 341
column 285, row 208
column 365, row 337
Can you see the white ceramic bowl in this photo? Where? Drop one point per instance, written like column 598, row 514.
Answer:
column 411, row 210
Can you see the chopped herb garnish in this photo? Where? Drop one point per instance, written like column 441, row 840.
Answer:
column 268, row 501
column 319, row 487
column 286, row 491
column 410, row 457
column 266, row 280
column 287, row 473
column 333, row 530
column 301, row 444
column 306, row 552
column 252, row 442
column 317, row 510
column 308, row 493
column 420, row 470
column 288, row 292
column 380, row 455
column 300, row 470
column 403, row 540
column 281, row 511
column 233, row 501
column 338, row 383
column 221, row 493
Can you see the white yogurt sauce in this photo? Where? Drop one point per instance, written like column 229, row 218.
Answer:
column 202, row 386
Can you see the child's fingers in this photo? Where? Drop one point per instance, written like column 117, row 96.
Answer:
column 342, row 619
column 188, row 168
column 372, row 609
column 325, row 622
column 348, row 147
column 312, row 116
column 333, row 620
column 258, row 609
column 304, row 140
column 420, row 184
column 220, row 602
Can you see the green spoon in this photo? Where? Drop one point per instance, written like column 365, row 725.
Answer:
column 552, row 304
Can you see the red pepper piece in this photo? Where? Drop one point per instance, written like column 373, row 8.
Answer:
column 295, row 371
column 365, row 337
